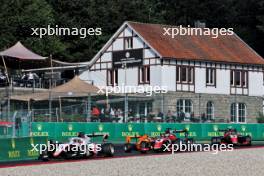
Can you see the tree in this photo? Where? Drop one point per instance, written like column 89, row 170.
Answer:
column 18, row 17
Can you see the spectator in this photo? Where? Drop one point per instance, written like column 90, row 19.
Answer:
column 95, row 113
column 30, row 76
column 160, row 114
column 187, row 116
column 169, row 116
column 112, row 113
column 130, row 113
column 120, row 115
column 3, row 78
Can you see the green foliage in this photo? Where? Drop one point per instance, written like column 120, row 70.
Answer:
column 18, row 16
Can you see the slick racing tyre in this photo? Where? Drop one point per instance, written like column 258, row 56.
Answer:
column 190, row 141
column 128, row 147
column 108, row 149
column 216, row 140
column 143, row 145
column 248, row 140
column 44, row 156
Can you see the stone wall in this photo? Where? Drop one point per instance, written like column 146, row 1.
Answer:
column 222, row 104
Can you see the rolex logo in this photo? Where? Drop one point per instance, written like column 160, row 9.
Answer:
column 100, row 127
column 39, row 127
column 243, row 128
column 187, row 127
column 215, row 127
column 159, row 127
column 13, row 143
column 130, row 127
column 70, row 127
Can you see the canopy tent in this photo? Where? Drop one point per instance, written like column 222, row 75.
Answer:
column 19, row 51
column 74, row 88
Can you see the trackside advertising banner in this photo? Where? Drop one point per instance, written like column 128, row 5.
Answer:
column 13, row 149
column 118, row 132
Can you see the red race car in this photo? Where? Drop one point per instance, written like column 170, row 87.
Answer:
column 169, row 137
column 231, row 136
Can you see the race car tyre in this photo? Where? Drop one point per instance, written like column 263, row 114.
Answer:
column 190, row 140
column 87, row 153
column 143, row 145
column 44, row 156
column 215, row 140
column 127, row 148
column 108, row 149
column 248, row 139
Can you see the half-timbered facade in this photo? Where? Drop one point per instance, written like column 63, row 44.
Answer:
column 215, row 77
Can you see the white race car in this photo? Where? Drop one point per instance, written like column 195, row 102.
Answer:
column 77, row 147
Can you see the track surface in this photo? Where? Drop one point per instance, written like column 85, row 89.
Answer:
column 119, row 153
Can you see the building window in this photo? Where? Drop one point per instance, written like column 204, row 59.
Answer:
column 128, row 43
column 210, row 76
column 185, row 74
column 144, row 75
column 239, row 78
column 184, row 106
column 238, row 112
column 210, row 110
column 112, row 77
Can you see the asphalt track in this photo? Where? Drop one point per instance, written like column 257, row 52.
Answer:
column 119, row 153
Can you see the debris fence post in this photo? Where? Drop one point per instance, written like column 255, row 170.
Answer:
column 89, row 106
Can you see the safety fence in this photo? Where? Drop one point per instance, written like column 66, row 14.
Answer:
column 118, row 132
column 13, row 149
column 5, row 131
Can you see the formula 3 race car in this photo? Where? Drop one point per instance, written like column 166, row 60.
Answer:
column 143, row 143
column 169, row 137
column 77, row 147
column 231, row 136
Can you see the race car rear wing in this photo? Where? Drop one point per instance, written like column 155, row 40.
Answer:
column 185, row 131
column 129, row 138
column 93, row 135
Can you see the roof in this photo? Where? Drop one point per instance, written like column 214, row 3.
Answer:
column 74, row 88
column 225, row 48
column 21, row 52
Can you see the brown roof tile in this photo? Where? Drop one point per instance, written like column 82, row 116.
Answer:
column 201, row 48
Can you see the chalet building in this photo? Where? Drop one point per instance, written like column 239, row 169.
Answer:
column 219, row 78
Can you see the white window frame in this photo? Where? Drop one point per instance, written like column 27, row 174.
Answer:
column 237, row 116
column 128, row 43
column 111, row 77
column 241, row 72
column 143, row 75
column 210, row 73
column 189, row 72
column 183, row 105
